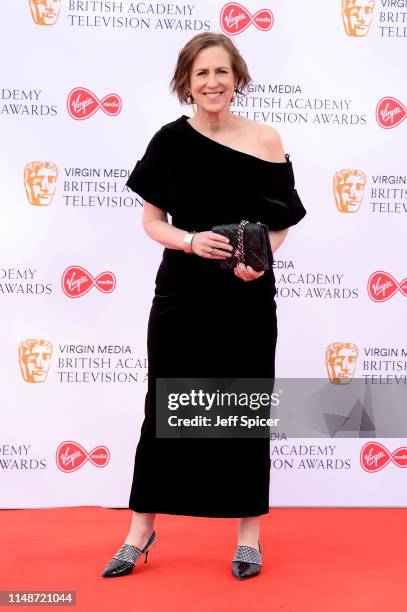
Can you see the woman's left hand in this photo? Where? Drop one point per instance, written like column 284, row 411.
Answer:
column 247, row 273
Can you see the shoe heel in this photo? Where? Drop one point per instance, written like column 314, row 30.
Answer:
column 149, row 545
column 126, row 557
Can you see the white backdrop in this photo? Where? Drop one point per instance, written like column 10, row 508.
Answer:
column 328, row 76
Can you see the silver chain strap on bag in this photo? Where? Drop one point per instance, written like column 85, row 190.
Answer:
column 250, row 242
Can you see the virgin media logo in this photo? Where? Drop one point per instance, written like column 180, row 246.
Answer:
column 374, row 457
column 390, row 112
column 381, row 286
column 76, row 281
column 82, row 104
column 71, row 456
column 235, row 19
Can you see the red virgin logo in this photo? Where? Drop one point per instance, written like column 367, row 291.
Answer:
column 235, row 19
column 381, row 286
column 390, row 112
column 76, row 281
column 374, row 457
column 82, row 104
column 71, row 456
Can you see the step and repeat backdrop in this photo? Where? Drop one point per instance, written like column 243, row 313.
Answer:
column 84, row 86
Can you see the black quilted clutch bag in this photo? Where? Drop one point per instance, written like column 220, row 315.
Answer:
column 250, row 242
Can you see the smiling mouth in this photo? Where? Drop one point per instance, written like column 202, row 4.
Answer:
column 213, row 94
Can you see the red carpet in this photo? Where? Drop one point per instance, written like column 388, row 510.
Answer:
column 313, row 559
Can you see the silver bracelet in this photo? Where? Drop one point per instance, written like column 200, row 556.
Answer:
column 187, row 248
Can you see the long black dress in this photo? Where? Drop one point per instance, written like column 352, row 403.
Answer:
column 206, row 322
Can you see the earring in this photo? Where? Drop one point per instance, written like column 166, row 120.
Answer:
column 190, row 99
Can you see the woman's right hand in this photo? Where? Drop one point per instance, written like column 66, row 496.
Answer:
column 211, row 245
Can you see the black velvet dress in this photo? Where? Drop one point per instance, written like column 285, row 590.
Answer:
column 206, row 322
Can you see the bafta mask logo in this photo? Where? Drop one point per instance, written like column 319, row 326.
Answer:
column 40, row 182
column 349, row 188
column 340, row 359
column 357, row 16
column 34, row 357
column 45, row 12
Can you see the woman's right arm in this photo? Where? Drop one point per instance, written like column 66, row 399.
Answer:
column 155, row 224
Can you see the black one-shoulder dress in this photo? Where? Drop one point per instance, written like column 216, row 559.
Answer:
column 205, row 322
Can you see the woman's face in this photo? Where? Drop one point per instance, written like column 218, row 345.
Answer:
column 212, row 81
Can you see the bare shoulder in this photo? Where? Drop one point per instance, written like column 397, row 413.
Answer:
column 267, row 138
column 268, row 133
column 271, row 144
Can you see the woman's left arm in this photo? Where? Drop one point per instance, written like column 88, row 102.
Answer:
column 277, row 238
column 273, row 148
column 273, row 151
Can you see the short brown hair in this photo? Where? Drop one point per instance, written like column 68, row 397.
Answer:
column 180, row 81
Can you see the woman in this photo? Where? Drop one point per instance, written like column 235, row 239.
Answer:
column 205, row 321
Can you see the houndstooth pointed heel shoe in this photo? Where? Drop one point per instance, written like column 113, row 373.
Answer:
column 126, row 557
column 246, row 562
